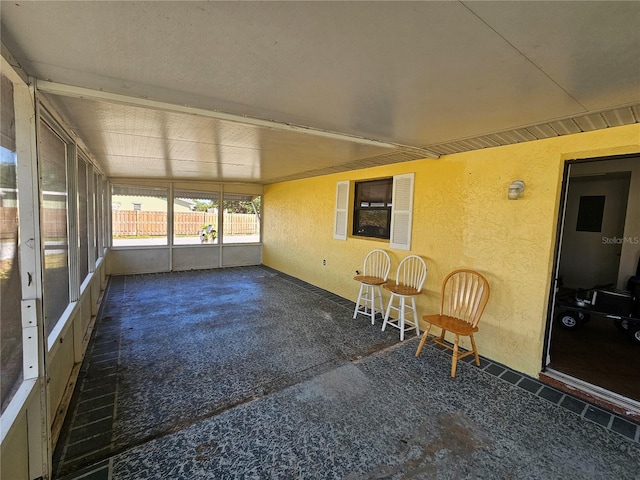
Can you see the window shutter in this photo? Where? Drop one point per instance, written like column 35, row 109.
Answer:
column 402, row 211
column 342, row 211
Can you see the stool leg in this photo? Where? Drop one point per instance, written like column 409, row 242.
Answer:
column 415, row 316
column 386, row 315
column 355, row 312
column 372, row 302
column 380, row 298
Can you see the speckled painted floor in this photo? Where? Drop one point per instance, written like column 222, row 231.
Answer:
column 248, row 373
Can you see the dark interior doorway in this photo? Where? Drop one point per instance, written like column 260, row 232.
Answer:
column 598, row 252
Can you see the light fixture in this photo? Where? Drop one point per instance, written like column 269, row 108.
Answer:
column 516, row 190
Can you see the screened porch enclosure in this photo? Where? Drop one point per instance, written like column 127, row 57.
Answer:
column 195, row 159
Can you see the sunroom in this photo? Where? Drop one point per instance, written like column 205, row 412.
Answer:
column 143, row 138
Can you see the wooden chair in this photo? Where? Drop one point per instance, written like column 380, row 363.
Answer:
column 410, row 277
column 464, row 296
column 374, row 274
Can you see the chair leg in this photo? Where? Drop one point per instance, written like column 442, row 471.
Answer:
column 423, row 340
column 442, row 332
column 355, row 312
column 454, row 361
column 475, row 350
column 415, row 316
column 386, row 315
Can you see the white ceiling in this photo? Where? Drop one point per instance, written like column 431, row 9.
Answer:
column 440, row 76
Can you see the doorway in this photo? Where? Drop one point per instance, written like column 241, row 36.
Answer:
column 596, row 210
column 597, row 251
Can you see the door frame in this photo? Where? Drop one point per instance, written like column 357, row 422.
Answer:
column 553, row 281
column 560, row 219
column 610, row 398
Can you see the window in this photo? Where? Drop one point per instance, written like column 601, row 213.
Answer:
column 97, row 215
column 372, row 208
column 195, row 217
column 53, row 187
column 141, row 219
column 241, row 219
column 83, row 228
column 11, row 350
column 382, row 208
column 105, row 187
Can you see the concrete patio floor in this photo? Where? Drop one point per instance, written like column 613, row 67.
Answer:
column 250, row 373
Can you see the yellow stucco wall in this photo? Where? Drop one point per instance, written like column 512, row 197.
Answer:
column 462, row 218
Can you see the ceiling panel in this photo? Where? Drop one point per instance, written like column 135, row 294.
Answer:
column 589, row 49
column 129, row 140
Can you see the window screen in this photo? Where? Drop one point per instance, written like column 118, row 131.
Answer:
column 53, row 186
column 241, row 219
column 139, row 216
column 195, row 217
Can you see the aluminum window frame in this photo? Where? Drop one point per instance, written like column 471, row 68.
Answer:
column 387, row 206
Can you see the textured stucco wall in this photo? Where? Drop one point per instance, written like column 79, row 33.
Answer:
column 462, row 218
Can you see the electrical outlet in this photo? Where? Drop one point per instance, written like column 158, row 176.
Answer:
column 324, row 262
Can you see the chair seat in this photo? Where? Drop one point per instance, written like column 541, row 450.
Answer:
column 451, row 324
column 369, row 280
column 401, row 289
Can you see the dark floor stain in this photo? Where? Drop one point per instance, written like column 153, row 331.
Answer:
column 432, row 448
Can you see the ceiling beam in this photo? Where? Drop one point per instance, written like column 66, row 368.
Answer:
column 11, row 67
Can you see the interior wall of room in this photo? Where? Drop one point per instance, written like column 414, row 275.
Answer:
column 630, row 252
column 461, row 218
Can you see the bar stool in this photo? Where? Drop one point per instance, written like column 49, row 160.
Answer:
column 374, row 274
column 410, row 277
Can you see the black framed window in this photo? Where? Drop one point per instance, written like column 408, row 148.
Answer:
column 372, row 208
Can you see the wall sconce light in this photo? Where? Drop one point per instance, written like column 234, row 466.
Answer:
column 516, row 190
